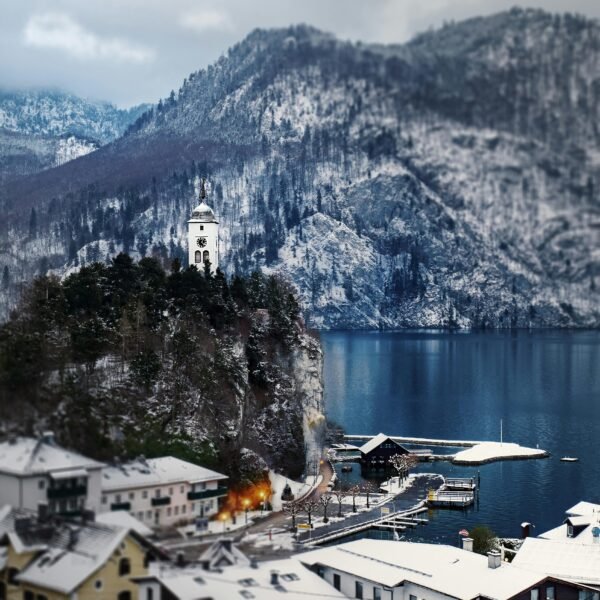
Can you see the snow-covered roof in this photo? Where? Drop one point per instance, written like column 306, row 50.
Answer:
column 561, row 558
column 584, row 508
column 222, row 553
column 121, row 518
column 203, row 213
column 376, row 441
column 451, row 571
column 70, row 559
column 295, row 582
column 155, row 471
column 29, row 456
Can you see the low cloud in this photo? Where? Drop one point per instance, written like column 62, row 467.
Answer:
column 206, row 20
column 61, row 32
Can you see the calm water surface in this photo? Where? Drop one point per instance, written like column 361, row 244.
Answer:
column 545, row 386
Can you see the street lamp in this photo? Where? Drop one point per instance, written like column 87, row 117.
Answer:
column 262, row 501
column 246, row 504
column 224, row 519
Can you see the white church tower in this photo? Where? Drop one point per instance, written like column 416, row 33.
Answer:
column 203, row 235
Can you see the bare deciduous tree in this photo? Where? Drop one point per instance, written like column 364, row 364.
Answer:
column 309, row 506
column 325, row 501
column 340, row 493
column 368, row 488
column 293, row 509
column 354, row 491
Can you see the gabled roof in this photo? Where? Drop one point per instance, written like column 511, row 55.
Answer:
column 67, row 563
column 583, row 508
column 29, row 456
column 376, row 441
column 295, row 582
column 448, row 570
column 155, row 471
column 223, row 553
column 561, row 558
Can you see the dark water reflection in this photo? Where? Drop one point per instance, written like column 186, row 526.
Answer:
column 545, row 386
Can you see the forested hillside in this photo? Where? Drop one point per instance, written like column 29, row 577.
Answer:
column 450, row 181
column 123, row 359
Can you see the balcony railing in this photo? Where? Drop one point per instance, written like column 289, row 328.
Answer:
column 66, row 492
column 201, row 494
column 163, row 501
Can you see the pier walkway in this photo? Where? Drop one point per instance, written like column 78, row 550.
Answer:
column 403, row 508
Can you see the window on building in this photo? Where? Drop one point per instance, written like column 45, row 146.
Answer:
column 358, row 592
column 118, row 498
column 183, row 509
column 148, row 514
column 12, row 576
column 145, row 494
column 569, row 530
column 157, row 493
column 588, row 595
column 550, row 595
column 201, row 227
column 41, row 484
column 177, row 510
column 149, row 594
column 337, row 581
column 124, row 596
column 131, row 495
column 534, row 594
column 27, row 595
column 412, row 597
column 124, row 567
column 170, row 491
column 205, row 256
column 181, row 489
column 198, row 256
column 376, row 593
column 98, row 584
column 104, row 499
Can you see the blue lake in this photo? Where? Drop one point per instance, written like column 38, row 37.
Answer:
column 544, row 385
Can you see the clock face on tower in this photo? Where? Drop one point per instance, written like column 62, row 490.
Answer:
column 201, row 242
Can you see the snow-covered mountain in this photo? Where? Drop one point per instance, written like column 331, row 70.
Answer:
column 450, row 181
column 42, row 129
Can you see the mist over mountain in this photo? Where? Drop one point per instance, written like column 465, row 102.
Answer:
column 450, row 181
column 40, row 129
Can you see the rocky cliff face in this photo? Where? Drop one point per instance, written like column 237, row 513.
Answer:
column 452, row 181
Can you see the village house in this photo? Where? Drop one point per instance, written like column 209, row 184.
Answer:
column 34, row 471
column 224, row 572
column 376, row 453
column 570, row 551
column 390, row 570
column 47, row 558
column 162, row 492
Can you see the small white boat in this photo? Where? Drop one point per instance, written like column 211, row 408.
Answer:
column 569, row 459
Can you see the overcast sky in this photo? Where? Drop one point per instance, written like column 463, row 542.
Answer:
column 130, row 51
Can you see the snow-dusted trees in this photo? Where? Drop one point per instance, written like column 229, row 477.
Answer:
column 325, row 501
column 402, row 464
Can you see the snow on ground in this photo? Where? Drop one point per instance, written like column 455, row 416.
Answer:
column 278, row 483
column 490, row 451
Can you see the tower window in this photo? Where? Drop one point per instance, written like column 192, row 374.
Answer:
column 206, row 256
column 198, row 256
column 201, row 227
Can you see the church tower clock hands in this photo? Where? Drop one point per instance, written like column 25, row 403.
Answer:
column 203, row 234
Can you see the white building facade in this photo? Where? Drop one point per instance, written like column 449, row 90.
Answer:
column 203, row 235
column 162, row 492
column 38, row 471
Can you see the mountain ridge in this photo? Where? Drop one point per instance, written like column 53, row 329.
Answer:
column 444, row 168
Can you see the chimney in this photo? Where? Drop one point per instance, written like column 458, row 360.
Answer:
column 43, row 512
column 525, row 530
column 494, row 559
column 48, row 438
column 274, row 578
column 467, row 544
